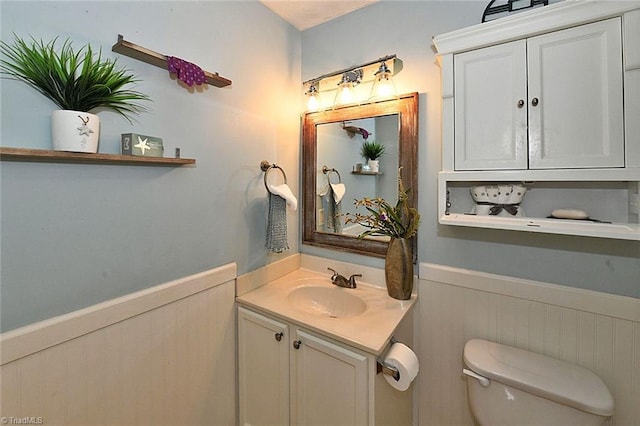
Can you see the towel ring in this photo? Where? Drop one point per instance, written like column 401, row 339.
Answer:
column 266, row 167
column 327, row 170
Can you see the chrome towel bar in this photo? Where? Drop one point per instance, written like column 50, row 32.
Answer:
column 326, row 170
column 266, row 167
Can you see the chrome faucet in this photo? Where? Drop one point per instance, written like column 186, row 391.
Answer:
column 342, row 281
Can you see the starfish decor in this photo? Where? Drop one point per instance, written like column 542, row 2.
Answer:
column 142, row 144
column 83, row 129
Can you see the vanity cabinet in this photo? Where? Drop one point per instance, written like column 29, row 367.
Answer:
column 263, row 357
column 289, row 375
column 547, row 98
column 329, row 382
column 550, row 101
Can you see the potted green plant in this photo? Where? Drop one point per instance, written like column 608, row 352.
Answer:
column 78, row 81
column 371, row 151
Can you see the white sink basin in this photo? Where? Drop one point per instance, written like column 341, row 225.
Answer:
column 364, row 317
column 332, row 302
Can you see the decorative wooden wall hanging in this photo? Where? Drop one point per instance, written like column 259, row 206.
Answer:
column 143, row 54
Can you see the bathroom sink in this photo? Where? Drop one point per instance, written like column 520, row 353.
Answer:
column 332, row 302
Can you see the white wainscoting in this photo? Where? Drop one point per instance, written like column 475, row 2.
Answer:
column 162, row 356
column 596, row 330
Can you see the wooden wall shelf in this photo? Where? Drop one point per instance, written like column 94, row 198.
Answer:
column 159, row 60
column 48, row 156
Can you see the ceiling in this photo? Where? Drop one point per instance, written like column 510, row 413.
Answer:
column 304, row 14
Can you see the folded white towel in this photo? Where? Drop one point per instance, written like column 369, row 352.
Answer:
column 338, row 191
column 324, row 190
column 285, row 192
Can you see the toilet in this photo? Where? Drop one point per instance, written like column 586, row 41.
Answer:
column 510, row 386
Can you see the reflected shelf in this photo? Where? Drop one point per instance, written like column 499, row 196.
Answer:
column 367, row 173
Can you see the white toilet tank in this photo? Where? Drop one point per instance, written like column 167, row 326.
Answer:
column 510, row 386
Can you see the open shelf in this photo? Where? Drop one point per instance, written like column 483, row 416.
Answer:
column 143, row 54
column 620, row 231
column 609, row 195
column 43, row 155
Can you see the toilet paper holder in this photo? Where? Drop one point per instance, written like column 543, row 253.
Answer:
column 387, row 369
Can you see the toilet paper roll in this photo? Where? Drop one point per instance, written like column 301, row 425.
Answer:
column 403, row 359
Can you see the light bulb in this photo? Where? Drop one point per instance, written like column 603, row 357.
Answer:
column 383, row 86
column 346, row 92
column 314, row 101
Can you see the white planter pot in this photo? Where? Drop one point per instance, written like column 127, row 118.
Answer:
column 374, row 166
column 75, row 131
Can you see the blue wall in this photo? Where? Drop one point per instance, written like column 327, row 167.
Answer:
column 406, row 28
column 74, row 234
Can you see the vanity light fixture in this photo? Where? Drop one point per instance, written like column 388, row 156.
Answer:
column 379, row 73
column 383, row 85
column 346, row 93
column 313, row 97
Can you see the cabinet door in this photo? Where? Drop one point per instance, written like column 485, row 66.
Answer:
column 263, row 360
column 490, row 108
column 329, row 383
column 575, row 97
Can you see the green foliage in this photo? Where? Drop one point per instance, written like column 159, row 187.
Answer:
column 372, row 150
column 383, row 219
column 74, row 80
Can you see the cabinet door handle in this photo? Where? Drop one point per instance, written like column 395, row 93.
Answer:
column 534, row 101
column 297, row 344
column 279, row 335
column 520, row 103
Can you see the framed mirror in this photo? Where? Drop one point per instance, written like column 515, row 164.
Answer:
column 332, row 166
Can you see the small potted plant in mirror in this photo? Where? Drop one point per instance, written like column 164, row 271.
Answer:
column 78, row 81
column 372, row 151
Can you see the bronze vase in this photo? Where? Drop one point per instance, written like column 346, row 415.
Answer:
column 398, row 268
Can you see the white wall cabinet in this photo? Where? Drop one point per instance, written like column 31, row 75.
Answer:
column 551, row 101
column 490, row 125
column 575, row 97
column 547, row 97
column 291, row 376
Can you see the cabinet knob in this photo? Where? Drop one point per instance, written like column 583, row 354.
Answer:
column 534, row 101
column 279, row 335
column 297, row 344
column 520, row 103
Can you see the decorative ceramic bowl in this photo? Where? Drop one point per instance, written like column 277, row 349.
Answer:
column 479, row 195
column 488, row 196
column 518, row 194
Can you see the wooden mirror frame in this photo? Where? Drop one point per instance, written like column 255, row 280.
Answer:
column 406, row 106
